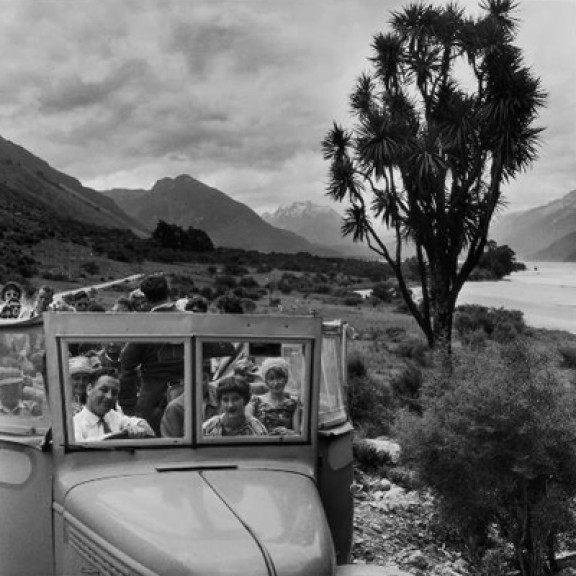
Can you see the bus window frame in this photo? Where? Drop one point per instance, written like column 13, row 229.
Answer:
column 187, row 327
column 307, row 388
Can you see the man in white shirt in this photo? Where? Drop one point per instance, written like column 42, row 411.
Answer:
column 99, row 417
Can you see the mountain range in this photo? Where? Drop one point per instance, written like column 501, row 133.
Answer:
column 38, row 186
column 319, row 224
column 545, row 233
column 32, row 192
column 188, row 202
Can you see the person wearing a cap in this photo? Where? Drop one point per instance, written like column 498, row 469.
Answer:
column 99, row 417
column 80, row 369
column 151, row 366
column 276, row 409
column 11, row 402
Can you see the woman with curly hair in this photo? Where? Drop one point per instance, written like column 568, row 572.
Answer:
column 276, row 409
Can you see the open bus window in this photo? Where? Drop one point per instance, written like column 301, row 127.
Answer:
column 119, row 389
column 24, row 409
column 259, row 391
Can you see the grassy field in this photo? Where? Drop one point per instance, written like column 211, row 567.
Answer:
column 381, row 331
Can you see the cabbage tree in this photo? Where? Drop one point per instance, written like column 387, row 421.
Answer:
column 443, row 119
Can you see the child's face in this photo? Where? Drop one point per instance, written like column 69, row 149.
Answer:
column 232, row 403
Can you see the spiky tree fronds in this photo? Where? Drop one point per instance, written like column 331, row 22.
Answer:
column 428, row 157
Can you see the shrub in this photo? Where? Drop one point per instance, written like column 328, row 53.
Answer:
column 353, row 300
column 90, row 267
column 568, row 354
column 415, row 350
column 407, row 386
column 385, row 291
column 497, row 323
column 496, row 443
column 248, row 282
column 370, row 401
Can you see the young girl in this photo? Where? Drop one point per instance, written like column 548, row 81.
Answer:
column 276, row 409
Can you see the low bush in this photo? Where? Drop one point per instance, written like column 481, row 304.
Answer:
column 370, row 401
column 568, row 354
column 416, row 350
column 497, row 444
column 90, row 267
column 407, row 387
column 498, row 324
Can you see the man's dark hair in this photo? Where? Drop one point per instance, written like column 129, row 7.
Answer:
column 155, row 288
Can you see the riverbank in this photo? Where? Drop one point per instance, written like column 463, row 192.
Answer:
column 545, row 293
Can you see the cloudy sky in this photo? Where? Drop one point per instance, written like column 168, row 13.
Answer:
column 237, row 93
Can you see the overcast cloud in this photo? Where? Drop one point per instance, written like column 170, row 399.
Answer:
column 238, row 93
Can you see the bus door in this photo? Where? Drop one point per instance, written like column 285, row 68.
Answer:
column 25, row 463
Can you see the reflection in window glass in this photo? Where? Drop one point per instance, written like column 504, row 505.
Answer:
column 120, row 390
column 23, row 401
column 257, row 391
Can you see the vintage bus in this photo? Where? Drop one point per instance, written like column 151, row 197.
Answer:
column 191, row 504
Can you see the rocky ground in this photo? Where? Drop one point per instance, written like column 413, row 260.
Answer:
column 398, row 528
column 394, row 527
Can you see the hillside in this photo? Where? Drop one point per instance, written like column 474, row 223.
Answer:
column 188, row 202
column 43, row 189
column 542, row 233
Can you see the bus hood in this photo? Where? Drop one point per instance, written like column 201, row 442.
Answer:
column 209, row 523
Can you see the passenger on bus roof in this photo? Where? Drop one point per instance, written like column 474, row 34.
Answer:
column 43, row 300
column 233, row 394
column 11, row 290
column 155, row 364
column 99, row 417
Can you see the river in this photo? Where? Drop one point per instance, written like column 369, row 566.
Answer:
column 545, row 292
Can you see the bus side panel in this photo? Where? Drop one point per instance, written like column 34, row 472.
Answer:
column 26, row 510
column 335, row 477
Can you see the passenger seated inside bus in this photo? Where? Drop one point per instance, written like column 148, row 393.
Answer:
column 233, row 395
column 12, row 402
column 99, row 419
column 80, row 368
column 276, row 409
column 172, row 424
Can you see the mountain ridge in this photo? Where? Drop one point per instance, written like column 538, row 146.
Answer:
column 41, row 184
column 541, row 233
column 186, row 201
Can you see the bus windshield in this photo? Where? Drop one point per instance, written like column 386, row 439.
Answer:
column 193, row 389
